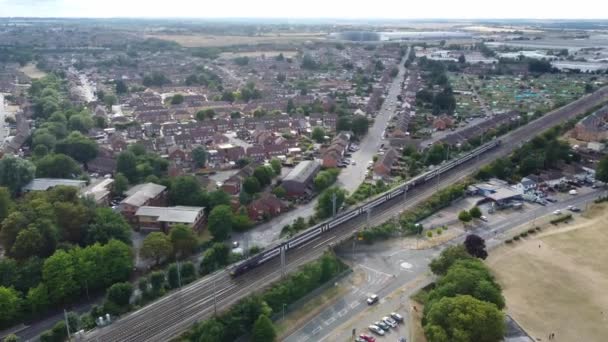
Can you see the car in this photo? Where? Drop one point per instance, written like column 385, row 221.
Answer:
column 376, row 330
column 483, row 218
column 359, row 339
column 389, row 321
column 397, row 317
column 342, row 166
column 382, row 325
column 235, row 244
column 367, row 338
column 353, row 162
column 557, row 212
column 373, row 299
column 550, row 199
column 573, row 209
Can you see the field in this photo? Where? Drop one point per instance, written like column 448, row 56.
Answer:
column 32, row 72
column 559, row 287
column 214, row 40
column 253, row 54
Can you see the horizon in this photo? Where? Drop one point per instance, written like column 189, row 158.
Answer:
column 311, row 10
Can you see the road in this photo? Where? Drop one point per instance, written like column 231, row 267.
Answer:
column 388, row 267
column 350, row 178
column 4, row 129
column 177, row 311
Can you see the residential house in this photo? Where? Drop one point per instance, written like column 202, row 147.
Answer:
column 384, row 165
column 266, row 206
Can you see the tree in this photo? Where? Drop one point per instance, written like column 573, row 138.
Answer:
column 476, row 246
column 276, row 166
column 11, row 338
column 318, row 134
column 210, row 330
column 81, row 122
column 15, row 172
column 110, row 100
column 71, row 220
column 199, row 156
column 279, row 191
column 121, row 87
column 57, row 166
column 241, row 222
column 186, row 190
column 59, row 274
column 263, row 330
column 157, row 281
column 177, row 99
column 107, row 225
column 29, row 242
column 121, row 184
column 10, row 305
column 325, row 206
column 120, row 293
column 461, row 59
column 5, row 203
column 78, row 147
column 38, row 298
column 447, row 258
column 475, row 212
column 360, row 125
column 281, row 77
column 464, row 318
column 464, row 217
column 183, row 240
column 156, row 247
column 215, row 257
column 218, row 197
column 43, row 137
column 264, row 174
column 126, row 163
column 601, row 172
column 251, row 185
column 220, row 222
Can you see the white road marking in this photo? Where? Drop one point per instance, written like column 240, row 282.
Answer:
column 354, row 305
column 330, row 320
column 374, row 270
column 343, row 312
column 317, row 330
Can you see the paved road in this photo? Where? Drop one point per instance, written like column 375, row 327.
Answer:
column 350, row 178
column 4, row 129
column 388, row 267
column 177, row 311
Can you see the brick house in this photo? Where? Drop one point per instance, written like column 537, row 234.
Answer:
column 267, row 206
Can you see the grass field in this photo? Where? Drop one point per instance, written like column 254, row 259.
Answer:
column 559, row 287
column 214, row 40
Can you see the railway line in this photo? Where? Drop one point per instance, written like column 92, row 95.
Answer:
column 173, row 314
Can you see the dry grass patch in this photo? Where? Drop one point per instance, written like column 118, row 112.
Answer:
column 32, row 71
column 559, row 287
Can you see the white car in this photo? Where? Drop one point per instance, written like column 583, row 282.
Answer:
column 557, row 212
column 373, row 299
column 389, row 321
column 376, row 330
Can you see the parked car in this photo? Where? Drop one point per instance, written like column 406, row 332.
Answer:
column 391, row 322
column 376, row 330
column 483, row 218
column 359, row 339
column 373, row 299
column 550, row 199
column 367, row 338
column 573, row 209
column 557, row 212
column 382, row 325
column 397, row 317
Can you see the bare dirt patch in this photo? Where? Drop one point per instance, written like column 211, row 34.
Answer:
column 32, row 71
column 559, row 287
column 211, row 40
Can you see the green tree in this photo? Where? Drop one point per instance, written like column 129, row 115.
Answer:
column 210, row 330
column 464, row 318
column 241, row 223
column 11, row 338
column 45, row 138
column 15, row 172
column 464, row 217
column 251, row 185
column 264, row 174
column 263, row 330
column 59, row 274
column 448, row 257
column 318, row 134
column 601, row 172
column 107, row 225
column 220, row 222
column 177, row 99
column 29, row 242
column 10, row 305
column 199, row 156
column 110, row 100
column 78, row 147
column 126, row 163
column 218, row 197
column 120, row 293
column 57, row 166
column 475, row 212
column 156, row 246
column 360, row 125
column 72, row 220
column 183, row 240
column 5, row 203
column 281, row 77
column 325, row 205
column 186, row 190
column 476, row 246
column 120, row 185
column 10, row 228
column 121, row 87
column 38, row 298
column 279, row 191
column 276, row 166
column 81, row 122
column 157, row 281
column 215, row 257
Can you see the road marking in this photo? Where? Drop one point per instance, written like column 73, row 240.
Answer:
column 374, row 270
column 330, row 320
column 317, row 330
column 304, row 338
column 343, row 312
column 354, row 305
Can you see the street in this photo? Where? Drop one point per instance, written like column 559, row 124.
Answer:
column 4, row 129
column 392, row 272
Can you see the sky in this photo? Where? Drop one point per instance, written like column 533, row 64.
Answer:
column 412, row 9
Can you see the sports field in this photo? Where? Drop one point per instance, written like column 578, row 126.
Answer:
column 561, row 286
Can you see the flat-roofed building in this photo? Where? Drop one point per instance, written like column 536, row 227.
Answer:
column 44, row 184
column 163, row 218
column 148, row 194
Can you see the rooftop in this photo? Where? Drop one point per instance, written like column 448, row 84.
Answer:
column 179, row 214
column 43, row 184
column 140, row 193
column 302, row 172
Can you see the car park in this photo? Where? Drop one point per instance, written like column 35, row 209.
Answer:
column 389, row 321
column 397, row 317
column 376, row 330
column 373, row 299
column 382, row 325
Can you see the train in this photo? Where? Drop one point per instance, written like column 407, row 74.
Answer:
column 319, row 229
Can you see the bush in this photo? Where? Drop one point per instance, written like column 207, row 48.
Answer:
column 439, row 231
column 524, row 234
column 516, row 237
column 508, row 241
column 531, row 231
column 561, row 219
column 538, row 228
column 429, row 234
